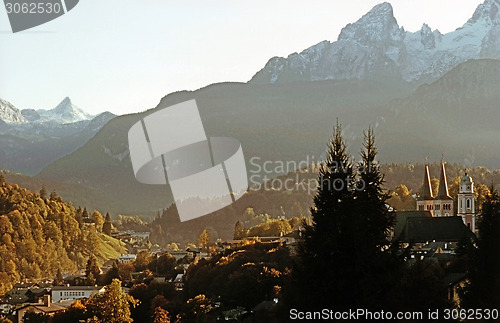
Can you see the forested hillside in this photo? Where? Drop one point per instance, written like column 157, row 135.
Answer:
column 290, row 195
column 40, row 233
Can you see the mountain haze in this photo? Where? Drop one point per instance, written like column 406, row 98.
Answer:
column 273, row 122
column 291, row 122
column 456, row 115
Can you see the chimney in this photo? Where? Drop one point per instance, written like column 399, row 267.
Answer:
column 46, row 300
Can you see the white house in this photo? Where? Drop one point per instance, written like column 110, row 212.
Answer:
column 60, row 293
column 127, row 258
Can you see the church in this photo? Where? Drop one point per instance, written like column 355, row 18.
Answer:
column 441, row 205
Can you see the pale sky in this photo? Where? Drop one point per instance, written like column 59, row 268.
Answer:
column 123, row 56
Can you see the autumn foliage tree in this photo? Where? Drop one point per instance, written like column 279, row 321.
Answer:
column 40, row 236
column 113, row 305
column 204, row 238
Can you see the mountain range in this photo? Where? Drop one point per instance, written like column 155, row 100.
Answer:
column 376, row 47
column 32, row 139
column 425, row 94
column 64, row 113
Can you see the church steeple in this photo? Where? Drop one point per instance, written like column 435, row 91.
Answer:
column 426, row 189
column 443, row 193
column 466, row 202
column 425, row 201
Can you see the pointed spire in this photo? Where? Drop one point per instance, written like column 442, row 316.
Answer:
column 443, row 185
column 426, row 189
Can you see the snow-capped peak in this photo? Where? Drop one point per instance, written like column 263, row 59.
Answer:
column 376, row 47
column 487, row 11
column 378, row 22
column 10, row 114
column 64, row 112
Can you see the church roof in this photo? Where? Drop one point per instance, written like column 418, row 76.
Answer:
column 443, row 193
column 423, row 229
column 402, row 217
column 426, row 193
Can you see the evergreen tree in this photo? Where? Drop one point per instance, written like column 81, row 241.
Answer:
column 54, row 196
column 92, row 242
column 113, row 273
column 238, row 231
column 92, row 270
column 85, row 213
column 346, row 259
column 78, row 217
column 106, row 227
column 323, row 274
column 374, row 262
column 59, row 278
column 43, row 193
column 483, row 284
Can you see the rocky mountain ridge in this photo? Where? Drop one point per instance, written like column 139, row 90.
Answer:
column 376, row 47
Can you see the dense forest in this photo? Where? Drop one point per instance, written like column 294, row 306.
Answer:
column 41, row 234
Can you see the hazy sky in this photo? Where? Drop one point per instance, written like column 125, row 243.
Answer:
column 124, row 55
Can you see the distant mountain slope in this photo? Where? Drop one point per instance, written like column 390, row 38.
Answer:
column 31, row 139
column 376, row 47
column 277, row 123
column 456, row 115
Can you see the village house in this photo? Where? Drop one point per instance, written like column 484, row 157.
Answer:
column 45, row 307
column 60, row 293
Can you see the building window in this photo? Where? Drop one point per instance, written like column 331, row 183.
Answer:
column 468, row 204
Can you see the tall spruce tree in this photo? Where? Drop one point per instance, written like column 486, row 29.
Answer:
column 106, row 227
column 78, row 217
column 345, row 257
column 92, row 270
column 322, row 277
column 376, row 262
column 43, row 193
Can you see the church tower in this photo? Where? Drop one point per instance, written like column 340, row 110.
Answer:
column 425, row 201
column 466, row 205
column 443, row 202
